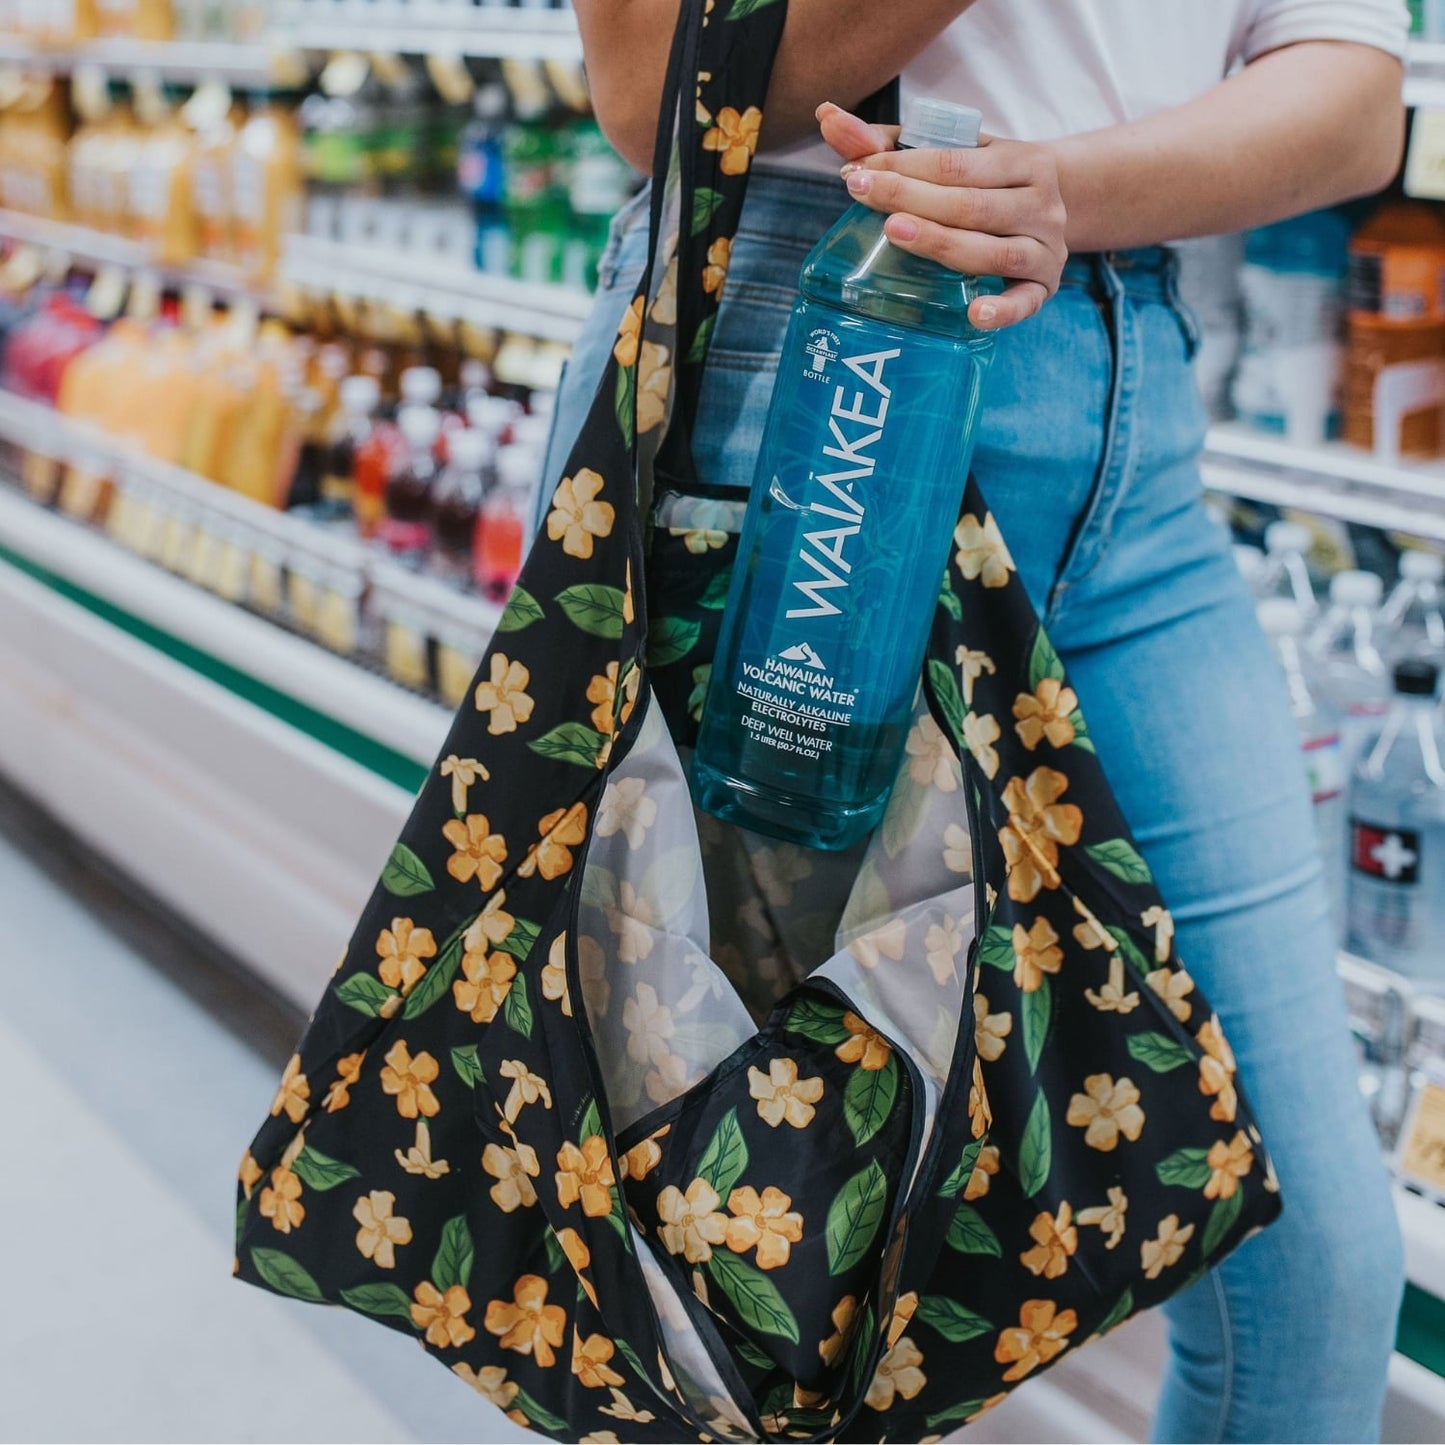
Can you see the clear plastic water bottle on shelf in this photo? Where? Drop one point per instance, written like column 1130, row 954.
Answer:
column 1344, row 662
column 1412, row 621
column 1397, row 834
column 1319, row 729
column 1286, row 573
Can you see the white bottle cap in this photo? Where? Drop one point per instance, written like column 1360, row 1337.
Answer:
column 421, row 384
column 1287, row 537
column 1418, row 566
column 532, row 431
column 518, row 467
column 930, row 124
column 360, row 394
column 1280, row 617
column 420, row 425
column 492, row 414
column 543, row 403
column 1249, row 560
column 1356, row 589
column 469, row 450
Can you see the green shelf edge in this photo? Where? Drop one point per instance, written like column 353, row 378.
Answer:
column 1421, row 1335
column 386, row 762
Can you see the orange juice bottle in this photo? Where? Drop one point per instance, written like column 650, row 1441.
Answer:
column 265, row 185
column 162, row 216
column 115, row 153
column 154, row 20
column 211, row 172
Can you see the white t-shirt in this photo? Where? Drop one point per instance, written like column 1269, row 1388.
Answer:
column 1039, row 69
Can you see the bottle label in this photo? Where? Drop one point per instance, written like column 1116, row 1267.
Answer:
column 1325, row 762
column 1389, row 854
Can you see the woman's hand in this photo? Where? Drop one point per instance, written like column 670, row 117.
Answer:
column 993, row 211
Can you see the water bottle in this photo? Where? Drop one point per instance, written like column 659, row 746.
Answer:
column 1286, row 573
column 854, row 499
column 1344, row 664
column 1397, row 835
column 1411, row 619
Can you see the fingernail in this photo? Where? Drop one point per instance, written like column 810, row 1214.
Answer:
column 847, row 169
column 826, row 105
column 859, row 181
column 987, row 311
column 903, row 228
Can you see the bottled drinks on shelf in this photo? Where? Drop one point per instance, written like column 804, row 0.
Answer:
column 480, row 177
column 1344, row 660
column 501, row 536
column 406, row 528
column 1396, row 897
column 1413, row 617
column 351, row 430
column 1286, row 573
column 457, row 500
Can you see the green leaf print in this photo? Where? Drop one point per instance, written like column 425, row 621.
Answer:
column 538, row 1415
column 817, row 1021
column 438, row 978
column 556, row 1257
column 1158, row 1052
column 862, row 1347
column 454, row 1256
column 950, row 1319
column 320, row 1171
column 522, row 611
column 625, row 401
column 467, row 1065
column 753, row 1295
column 571, row 742
column 715, row 595
column 725, row 1157
column 1036, row 1008
column 670, row 639
column 868, row 1099
column 286, row 1275
column 1119, row 857
column 855, row 1216
column 741, row 1345
column 1081, row 731
column 1043, row 661
column 634, row 1360
column 521, row 940
column 948, row 600
column 948, row 696
column 1222, row 1218
column 1188, row 1168
column 969, row 1233
column 743, row 8
column 962, row 1172
column 517, row 1007
column 405, row 875
column 701, row 339
column 1132, row 955
column 1036, row 1149
column 701, row 676
column 594, row 608
column 365, row 993
column 618, row 1220
column 953, row 1415
column 705, row 201
column 996, row 947
column 1123, row 1308
column 379, row 1299
column 590, row 1123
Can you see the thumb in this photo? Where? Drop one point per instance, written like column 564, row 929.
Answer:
column 850, row 136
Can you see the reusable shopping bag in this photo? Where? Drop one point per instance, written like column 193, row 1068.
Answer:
column 650, row 1129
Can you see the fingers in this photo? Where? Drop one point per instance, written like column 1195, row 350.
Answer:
column 975, row 253
column 992, row 163
column 978, row 208
column 850, row 136
column 1017, row 303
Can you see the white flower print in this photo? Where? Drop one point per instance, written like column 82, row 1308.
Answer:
column 931, row 759
column 649, row 1025
column 633, row 921
column 625, row 808
column 941, row 946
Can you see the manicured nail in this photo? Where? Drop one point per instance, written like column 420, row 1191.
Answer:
column 859, row 181
column 848, row 168
column 903, row 228
column 826, row 105
column 987, row 311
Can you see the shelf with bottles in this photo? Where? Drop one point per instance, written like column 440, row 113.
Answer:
column 421, row 27
column 248, row 66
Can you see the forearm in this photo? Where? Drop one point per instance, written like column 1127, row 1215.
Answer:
column 1300, row 128
column 831, row 50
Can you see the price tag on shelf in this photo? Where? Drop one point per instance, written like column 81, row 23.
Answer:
column 338, row 619
column 302, row 596
column 406, row 653
column 456, row 670
column 1425, row 163
column 205, row 560
column 81, row 493
column 40, row 476
column 267, row 591
column 1421, row 1156
column 178, row 541
column 233, row 571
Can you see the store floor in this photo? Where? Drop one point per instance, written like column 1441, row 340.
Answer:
column 135, row 1100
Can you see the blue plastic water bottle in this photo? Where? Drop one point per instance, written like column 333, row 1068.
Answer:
column 857, row 489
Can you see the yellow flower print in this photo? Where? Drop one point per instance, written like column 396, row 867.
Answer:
column 864, row 1045
column 1105, row 1110
column 479, row 852
column 590, row 1361
column 931, row 759
column 554, row 975
column 904, row 1308
column 622, row 1408
column 719, row 254
column 599, row 1437
column 1173, row 986
column 409, row 1081
column 579, row 1257
column 1109, row 1217
column 1036, row 952
column 957, row 850
column 1055, row 1239
column 941, row 946
column 980, row 1114
column 418, row 1160
column 654, row 385
column 250, row 1174
column 843, row 1314
column 979, row 735
column 585, row 1174
column 381, row 1230
column 982, row 551
column 1216, row 1071
column 668, row 1076
column 485, row 983
column 691, row 1223
column 629, row 336
column 1158, row 1254
column 493, row 925
column 972, row 666
column 404, row 950
column 561, row 831
column 1038, row 823
column 348, row 1071
column 527, row 1088
column 626, row 809
column 527, row 1323
column 1041, row 1335
column 1091, row 933
column 293, row 1093
column 281, row 1201
column 989, row 1030
column 1230, row 1163
column 764, row 1221
column 781, row 1095
column 898, row 1373
column 504, row 698
column 703, row 114
column 577, row 516
column 640, row 1160
column 1162, row 922
column 492, row 1384
column 1044, row 714
column 664, row 304
column 984, row 1167
column 699, row 540
column 871, row 948
column 602, row 691
column 1112, row 998
column 736, row 136
column 513, row 1169
column 464, row 773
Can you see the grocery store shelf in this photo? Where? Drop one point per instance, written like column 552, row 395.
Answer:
column 100, row 248
column 1425, row 74
column 238, row 64
column 1422, row 1223
column 1330, row 478
column 494, row 31
column 451, row 292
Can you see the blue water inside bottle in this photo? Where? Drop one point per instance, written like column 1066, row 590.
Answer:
column 854, row 500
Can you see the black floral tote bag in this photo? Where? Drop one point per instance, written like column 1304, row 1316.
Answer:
column 650, row 1129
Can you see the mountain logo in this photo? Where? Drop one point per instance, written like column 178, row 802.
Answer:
column 804, row 654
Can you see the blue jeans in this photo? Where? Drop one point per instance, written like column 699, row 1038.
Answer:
column 1088, row 456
